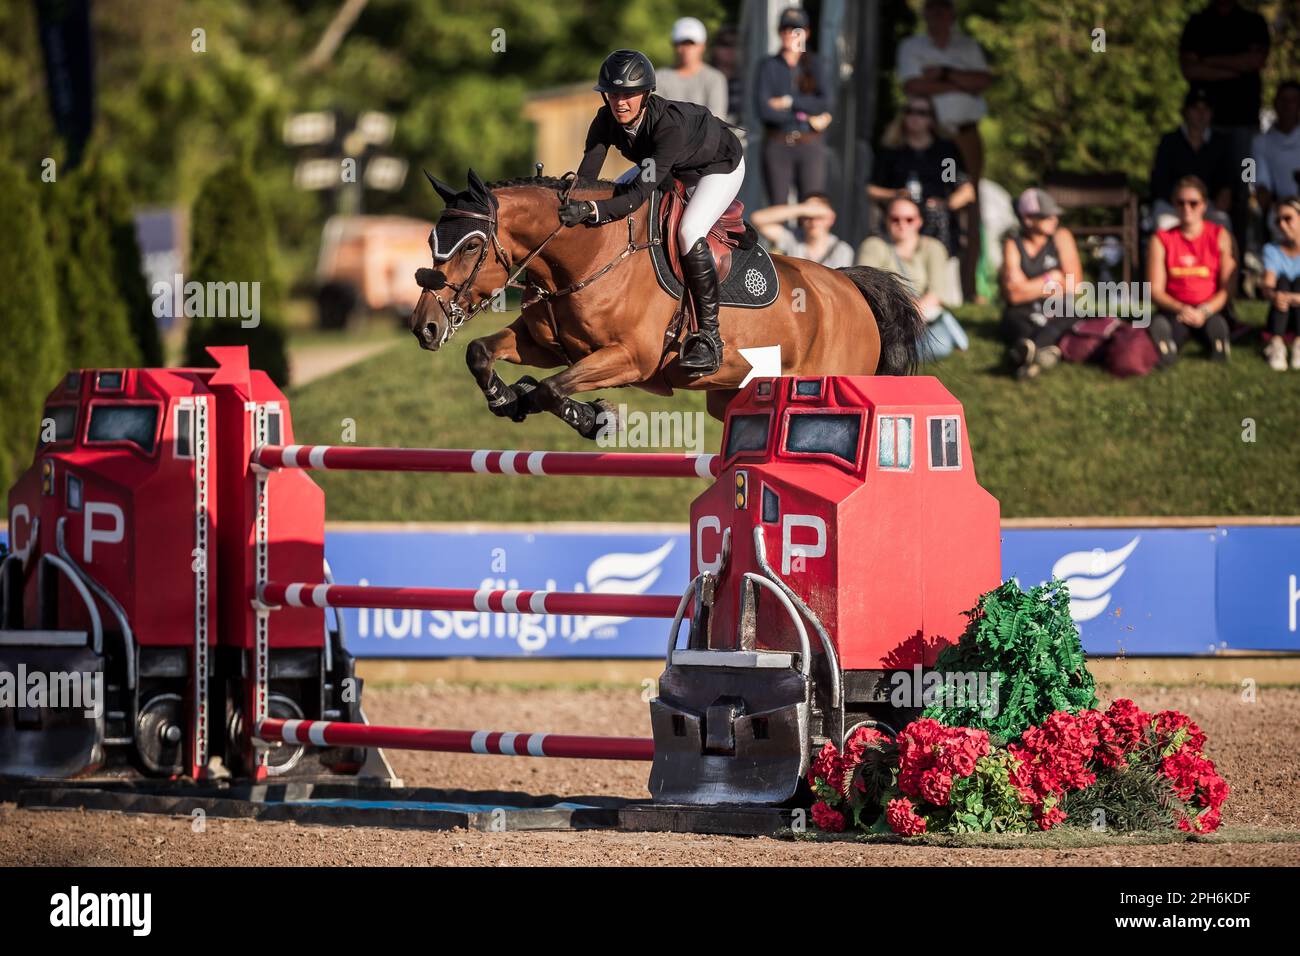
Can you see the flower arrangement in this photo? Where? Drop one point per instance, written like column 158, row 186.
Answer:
column 1134, row 766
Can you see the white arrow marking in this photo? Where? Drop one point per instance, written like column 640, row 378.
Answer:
column 764, row 362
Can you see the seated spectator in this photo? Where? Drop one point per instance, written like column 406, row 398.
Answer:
column 919, row 161
column 690, row 79
column 1190, row 269
column 1192, row 150
column 816, row 217
column 1040, row 265
column 1281, row 287
column 922, row 262
column 1277, row 152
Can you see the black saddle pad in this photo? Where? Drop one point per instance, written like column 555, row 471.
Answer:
column 751, row 284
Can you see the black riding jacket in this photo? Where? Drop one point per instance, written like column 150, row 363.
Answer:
column 684, row 140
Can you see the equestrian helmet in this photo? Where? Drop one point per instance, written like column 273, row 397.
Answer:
column 626, row 71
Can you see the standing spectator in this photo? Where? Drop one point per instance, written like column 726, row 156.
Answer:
column 1277, row 151
column 1224, row 48
column 918, row 161
column 1281, row 287
column 816, row 218
column 922, row 262
column 1190, row 268
column 726, row 58
column 792, row 90
column 690, row 79
column 1040, row 264
column 1192, row 150
column 949, row 67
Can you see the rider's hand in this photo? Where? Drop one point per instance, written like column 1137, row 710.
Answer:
column 576, row 211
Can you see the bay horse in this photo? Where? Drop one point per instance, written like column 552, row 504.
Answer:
column 593, row 306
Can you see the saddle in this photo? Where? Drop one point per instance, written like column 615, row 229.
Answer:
column 725, row 235
column 747, row 278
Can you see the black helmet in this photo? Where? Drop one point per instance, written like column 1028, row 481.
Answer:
column 626, row 71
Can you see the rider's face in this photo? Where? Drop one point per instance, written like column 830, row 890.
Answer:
column 626, row 106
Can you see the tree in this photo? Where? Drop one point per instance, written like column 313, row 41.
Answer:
column 31, row 339
column 112, row 205
column 234, row 242
column 91, row 310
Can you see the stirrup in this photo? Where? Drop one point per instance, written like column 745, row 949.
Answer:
column 711, row 344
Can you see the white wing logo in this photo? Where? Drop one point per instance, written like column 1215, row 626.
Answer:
column 621, row 573
column 1090, row 575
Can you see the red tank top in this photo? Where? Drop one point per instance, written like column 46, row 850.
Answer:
column 1191, row 265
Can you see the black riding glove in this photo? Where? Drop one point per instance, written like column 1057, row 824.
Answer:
column 576, row 211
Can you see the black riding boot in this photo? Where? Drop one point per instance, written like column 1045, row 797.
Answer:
column 702, row 351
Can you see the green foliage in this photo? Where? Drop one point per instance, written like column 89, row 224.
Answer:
column 1135, row 797
column 233, row 242
column 31, row 338
column 984, row 802
column 1028, row 640
column 91, row 308
column 1059, row 103
column 106, row 189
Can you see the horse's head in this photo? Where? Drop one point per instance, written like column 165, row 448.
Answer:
column 469, row 263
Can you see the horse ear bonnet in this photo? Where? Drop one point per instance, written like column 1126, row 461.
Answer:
column 452, row 231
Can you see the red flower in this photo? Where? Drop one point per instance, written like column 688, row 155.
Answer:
column 829, row 766
column 903, row 819
column 936, row 785
column 1169, row 722
column 827, row 817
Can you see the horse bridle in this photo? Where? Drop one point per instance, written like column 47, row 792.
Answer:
column 454, row 310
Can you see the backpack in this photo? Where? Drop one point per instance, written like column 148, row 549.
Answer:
column 1126, row 351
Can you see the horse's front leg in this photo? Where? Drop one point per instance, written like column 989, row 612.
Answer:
column 512, row 344
column 607, row 367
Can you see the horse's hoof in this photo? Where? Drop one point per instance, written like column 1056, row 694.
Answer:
column 525, row 405
column 594, row 419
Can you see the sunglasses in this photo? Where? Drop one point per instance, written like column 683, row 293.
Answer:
column 903, row 220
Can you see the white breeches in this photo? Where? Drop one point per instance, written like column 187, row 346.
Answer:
column 705, row 204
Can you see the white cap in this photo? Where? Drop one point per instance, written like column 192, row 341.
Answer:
column 689, row 30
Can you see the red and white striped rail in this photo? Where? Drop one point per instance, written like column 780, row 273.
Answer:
column 469, row 599
column 326, row 733
column 485, row 462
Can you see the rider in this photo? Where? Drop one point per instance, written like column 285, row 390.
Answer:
column 665, row 138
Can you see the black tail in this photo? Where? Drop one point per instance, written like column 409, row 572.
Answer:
column 900, row 322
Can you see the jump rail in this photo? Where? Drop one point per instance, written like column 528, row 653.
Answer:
column 274, row 594
column 486, row 462
column 325, row 733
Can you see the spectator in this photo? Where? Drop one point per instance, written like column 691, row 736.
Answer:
column 816, row 217
column 1281, row 287
column 1190, row 268
column 1277, row 152
column 793, row 93
column 922, row 262
column 726, row 58
column 690, row 79
column 1192, row 150
column 949, row 67
column 1223, row 48
column 1040, row 267
column 916, row 160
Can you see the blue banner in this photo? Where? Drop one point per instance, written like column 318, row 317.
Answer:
column 1135, row 591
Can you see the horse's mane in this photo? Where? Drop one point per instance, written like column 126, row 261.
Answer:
column 551, row 182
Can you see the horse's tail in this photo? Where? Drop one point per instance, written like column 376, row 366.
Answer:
column 900, row 322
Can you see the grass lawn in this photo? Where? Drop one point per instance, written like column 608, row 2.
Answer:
column 1073, row 442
